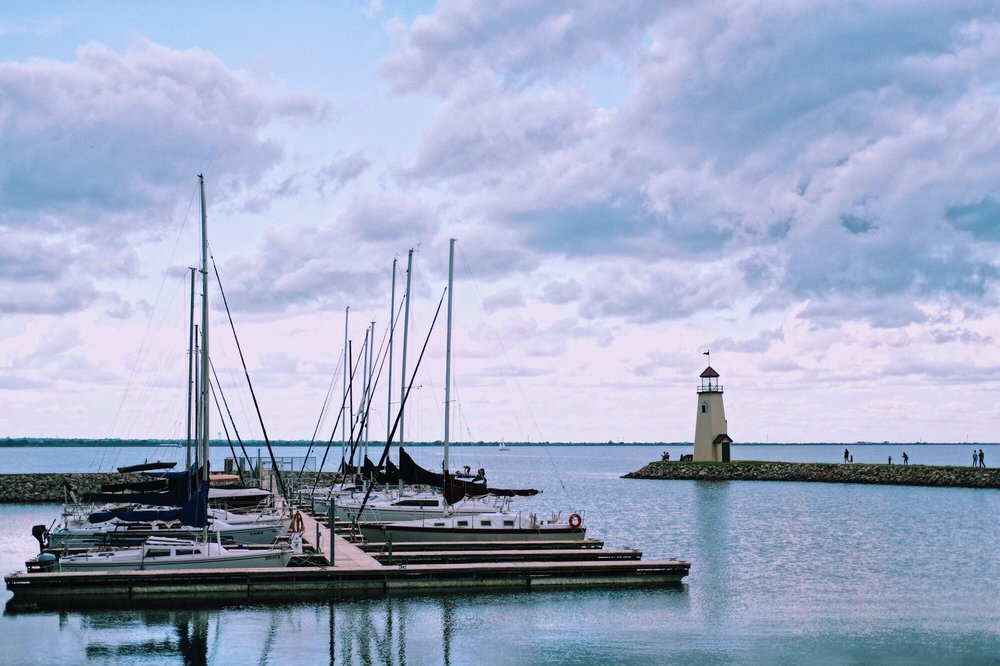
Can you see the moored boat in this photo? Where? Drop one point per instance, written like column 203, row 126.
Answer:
column 167, row 553
column 502, row 526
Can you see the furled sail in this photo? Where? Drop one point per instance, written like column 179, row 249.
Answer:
column 193, row 514
column 176, row 489
column 144, row 467
column 412, row 473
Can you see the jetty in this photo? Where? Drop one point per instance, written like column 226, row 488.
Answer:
column 897, row 475
column 335, row 567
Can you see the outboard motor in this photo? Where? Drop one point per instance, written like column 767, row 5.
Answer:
column 41, row 534
column 44, row 563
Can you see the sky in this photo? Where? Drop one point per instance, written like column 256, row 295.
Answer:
column 809, row 190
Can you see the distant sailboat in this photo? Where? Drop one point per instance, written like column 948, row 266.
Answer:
column 503, row 446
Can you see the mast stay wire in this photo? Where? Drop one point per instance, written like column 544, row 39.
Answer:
column 253, row 394
column 322, row 416
column 222, row 420
column 233, row 422
column 149, row 319
column 510, row 367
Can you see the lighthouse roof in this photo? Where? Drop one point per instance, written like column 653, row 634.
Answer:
column 709, row 372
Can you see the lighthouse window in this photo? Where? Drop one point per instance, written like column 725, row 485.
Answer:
column 704, row 409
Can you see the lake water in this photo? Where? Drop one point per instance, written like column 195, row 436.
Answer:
column 781, row 572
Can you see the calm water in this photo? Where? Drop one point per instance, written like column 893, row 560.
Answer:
column 782, row 572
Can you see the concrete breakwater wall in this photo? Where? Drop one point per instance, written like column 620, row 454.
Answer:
column 898, row 475
column 49, row 487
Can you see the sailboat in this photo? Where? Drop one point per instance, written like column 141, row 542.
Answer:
column 422, row 497
column 503, row 446
column 460, row 495
column 156, row 528
column 167, row 553
column 500, row 526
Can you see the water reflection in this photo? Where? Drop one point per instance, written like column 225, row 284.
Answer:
column 114, row 636
column 712, row 519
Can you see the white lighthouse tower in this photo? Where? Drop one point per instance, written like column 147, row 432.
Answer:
column 711, row 443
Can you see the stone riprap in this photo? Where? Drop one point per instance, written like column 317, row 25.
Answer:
column 49, row 488
column 898, row 475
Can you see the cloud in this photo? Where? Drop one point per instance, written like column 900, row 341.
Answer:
column 757, row 345
column 96, row 149
column 318, row 266
column 844, row 157
column 380, row 217
column 112, row 131
column 518, row 38
column 657, row 293
column 559, row 293
column 506, row 298
column 342, row 170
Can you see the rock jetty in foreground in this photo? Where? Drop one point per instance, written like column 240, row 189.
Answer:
column 897, row 475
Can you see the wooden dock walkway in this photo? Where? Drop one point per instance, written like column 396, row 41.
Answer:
column 508, row 555
column 152, row 587
column 337, row 550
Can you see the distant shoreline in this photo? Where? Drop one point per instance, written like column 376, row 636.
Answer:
column 24, row 442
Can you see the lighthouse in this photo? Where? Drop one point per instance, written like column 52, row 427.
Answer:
column 711, row 443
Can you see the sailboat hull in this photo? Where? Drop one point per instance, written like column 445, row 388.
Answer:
column 379, row 533
column 133, row 535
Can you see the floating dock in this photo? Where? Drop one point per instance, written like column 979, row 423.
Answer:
column 334, row 567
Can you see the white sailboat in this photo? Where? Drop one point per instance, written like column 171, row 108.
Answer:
column 167, row 553
column 502, row 526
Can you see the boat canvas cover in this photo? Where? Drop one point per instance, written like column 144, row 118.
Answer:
column 177, row 491
column 135, row 486
column 193, row 514
column 390, row 476
column 143, row 467
column 412, row 473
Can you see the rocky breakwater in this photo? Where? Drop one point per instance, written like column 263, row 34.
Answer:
column 31, row 488
column 51, row 487
column 897, row 475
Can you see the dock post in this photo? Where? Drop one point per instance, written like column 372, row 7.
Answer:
column 319, row 544
column 330, row 517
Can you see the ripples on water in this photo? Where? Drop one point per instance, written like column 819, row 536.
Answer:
column 782, row 572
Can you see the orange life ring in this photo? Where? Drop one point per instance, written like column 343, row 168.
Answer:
column 297, row 524
column 575, row 521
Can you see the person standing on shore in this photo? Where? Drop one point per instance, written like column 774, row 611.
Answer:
column 847, row 455
column 906, row 458
column 890, row 460
column 975, row 458
column 982, row 463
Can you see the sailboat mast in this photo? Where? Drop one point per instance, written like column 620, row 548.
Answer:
column 392, row 322
column 190, row 387
column 204, row 331
column 343, row 403
column 447, row 358
column 197, row 401
column 369, row 384
column 406, row 331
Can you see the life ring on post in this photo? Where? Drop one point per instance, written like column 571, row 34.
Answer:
column 575, row 521
column 297, row 525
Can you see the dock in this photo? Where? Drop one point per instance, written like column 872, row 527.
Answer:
column 334, row 567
